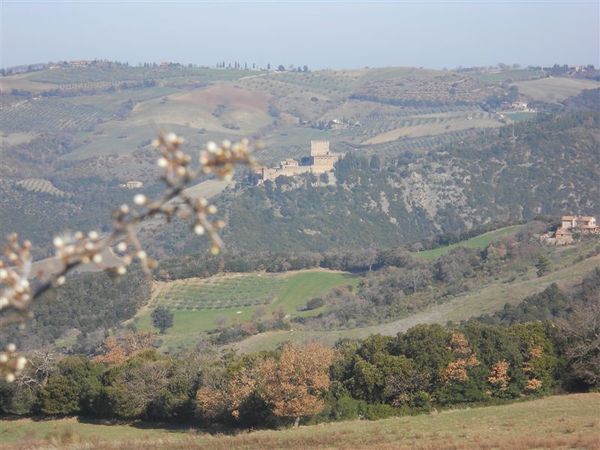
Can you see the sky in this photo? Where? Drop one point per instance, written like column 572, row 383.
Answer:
column 325, row 34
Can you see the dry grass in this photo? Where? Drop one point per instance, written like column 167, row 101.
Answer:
column 554, row 89
column 559, row 422
column 210, row 108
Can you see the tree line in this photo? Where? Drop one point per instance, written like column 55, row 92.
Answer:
column 428, row 367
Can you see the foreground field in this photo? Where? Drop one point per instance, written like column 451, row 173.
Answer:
column 571, row 421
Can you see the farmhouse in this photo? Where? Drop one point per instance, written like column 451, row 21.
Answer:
column 321, row 160
column 80, row 63
column 133, row 185
column 569, row 225
column 582, row 224
column 521, row 106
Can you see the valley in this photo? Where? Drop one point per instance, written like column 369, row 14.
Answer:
column 93, row 126
column 299, row 225
column 408, row 279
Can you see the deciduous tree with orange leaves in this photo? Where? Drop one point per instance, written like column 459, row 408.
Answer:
column 294, row 385
column 117, row 350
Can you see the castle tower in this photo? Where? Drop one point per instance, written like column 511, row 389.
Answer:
column 321, row 160
column 319, row 148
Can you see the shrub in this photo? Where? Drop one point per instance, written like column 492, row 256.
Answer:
column 313, row 303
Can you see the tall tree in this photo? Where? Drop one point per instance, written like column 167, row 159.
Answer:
column 294, row 385
column 542, row 265
column 162, row 319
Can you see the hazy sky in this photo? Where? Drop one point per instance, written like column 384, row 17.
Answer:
column 319, row 34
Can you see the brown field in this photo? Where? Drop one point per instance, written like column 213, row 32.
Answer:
column 554, row 89
column 213, row 108
column 559, row 422
column 22, row 82
column 231, row 96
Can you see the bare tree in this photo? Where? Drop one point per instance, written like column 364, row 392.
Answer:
column 581, row 334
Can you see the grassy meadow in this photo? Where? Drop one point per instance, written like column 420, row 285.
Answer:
column 478, row 242
column 569, row 421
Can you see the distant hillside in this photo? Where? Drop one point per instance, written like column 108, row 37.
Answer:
column 551, row 166
column 86, row 130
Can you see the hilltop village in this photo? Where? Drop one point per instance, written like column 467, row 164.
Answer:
column 321, row 160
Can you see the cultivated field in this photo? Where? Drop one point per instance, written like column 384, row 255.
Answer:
column 223, row 108
column 199, row 303
column 117, row 110
column 554, row 89
column 570, row 421
column 232, row 291
column 40, row 185
column 8, row 139
column 435, row 124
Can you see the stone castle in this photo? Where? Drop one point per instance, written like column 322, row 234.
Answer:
column 321, row 160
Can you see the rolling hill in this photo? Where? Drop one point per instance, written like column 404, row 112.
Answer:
column 86, row 130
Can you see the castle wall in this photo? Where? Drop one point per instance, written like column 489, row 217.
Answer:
column 321, row 161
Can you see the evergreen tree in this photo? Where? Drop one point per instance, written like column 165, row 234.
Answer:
column 162, row 319
column 542, row 265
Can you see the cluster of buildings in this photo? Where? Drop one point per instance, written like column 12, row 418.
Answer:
column 321, row 160
column 570, row 225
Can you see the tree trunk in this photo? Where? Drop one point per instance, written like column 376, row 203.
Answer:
column 296, row 422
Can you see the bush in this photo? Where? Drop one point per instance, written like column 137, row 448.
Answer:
column 313, row 303
column 378, row 411
column 346, row 408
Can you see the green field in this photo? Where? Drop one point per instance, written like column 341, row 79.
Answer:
column 519, row 116
column 501, row 76
column 220, row 292
column 569, row 421
column 479, row 242
column 198, row 303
